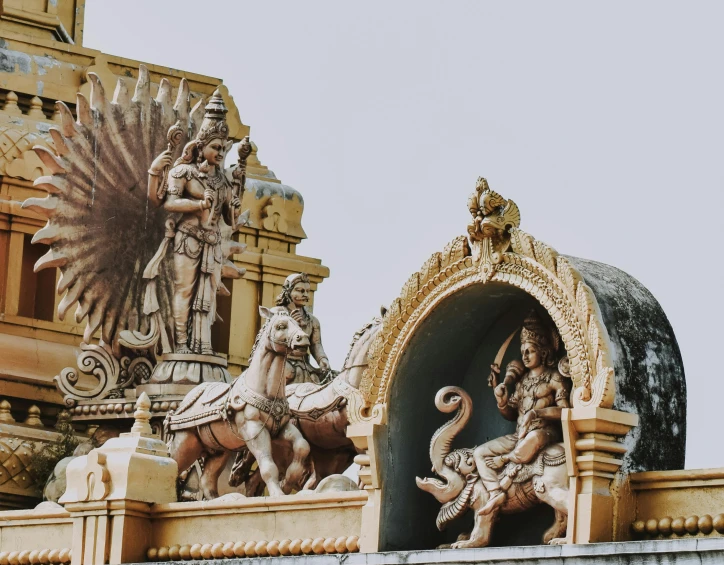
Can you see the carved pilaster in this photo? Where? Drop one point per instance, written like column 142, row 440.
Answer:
column 110, row 491
column 593, row 455
column 363, row 434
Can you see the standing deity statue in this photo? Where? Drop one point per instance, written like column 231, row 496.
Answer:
column 293, row 299
column 199, row 193
column 533, row 393
column 141, row 251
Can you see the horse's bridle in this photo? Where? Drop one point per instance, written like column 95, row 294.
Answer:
column 287, row 344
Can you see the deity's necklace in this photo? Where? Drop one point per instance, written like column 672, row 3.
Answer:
column 215, row 181
column 532, row 382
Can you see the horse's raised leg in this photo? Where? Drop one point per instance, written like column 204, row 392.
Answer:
column 313, row 480
column 213, row 466
column 300, row 448
column 261, row 448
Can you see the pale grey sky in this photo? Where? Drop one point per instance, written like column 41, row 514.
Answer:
column 604, row 121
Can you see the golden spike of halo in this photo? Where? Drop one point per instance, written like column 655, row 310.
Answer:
column 83, row 111
column 142, row 93
column 121, row 95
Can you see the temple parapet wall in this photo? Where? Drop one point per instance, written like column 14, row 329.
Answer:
column 674, row 504
column 116, row 509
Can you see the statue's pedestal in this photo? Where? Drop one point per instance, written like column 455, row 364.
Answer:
column 190, row 369
column 172, row 378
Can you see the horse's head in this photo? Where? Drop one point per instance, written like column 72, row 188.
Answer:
column 283, row 333
column 357, row 357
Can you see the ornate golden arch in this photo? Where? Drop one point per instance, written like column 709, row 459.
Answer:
column 500, row 253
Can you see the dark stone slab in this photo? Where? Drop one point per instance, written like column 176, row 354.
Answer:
column 649, row 370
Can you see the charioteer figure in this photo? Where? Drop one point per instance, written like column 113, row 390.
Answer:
column 293, row 299
column 533, row 393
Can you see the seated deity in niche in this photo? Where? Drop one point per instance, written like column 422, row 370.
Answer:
column 533, row 393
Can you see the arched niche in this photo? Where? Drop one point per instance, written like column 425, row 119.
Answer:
column 446, row 328
column 454, row 345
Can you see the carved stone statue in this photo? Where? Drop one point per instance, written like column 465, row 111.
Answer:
column 532, row 394
column 217, row 418
column 514, row 472
column 141, row 256
column 322, row 413
column 293, row 299
column 199, row 192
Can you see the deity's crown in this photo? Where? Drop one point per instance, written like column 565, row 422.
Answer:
column 537, row 332
column 214, row 123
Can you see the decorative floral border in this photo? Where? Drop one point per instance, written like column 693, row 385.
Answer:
column 530, row 265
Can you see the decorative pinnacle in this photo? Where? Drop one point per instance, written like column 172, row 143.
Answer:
column 482, row 185
column 142, row 416
column 216, row 109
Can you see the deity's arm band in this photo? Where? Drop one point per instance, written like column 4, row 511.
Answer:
column 175, row 204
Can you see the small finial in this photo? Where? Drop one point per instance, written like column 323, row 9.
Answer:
column 36, row 109
column 143, row 416
column 33, row 418
column 11, row 104
column 5, row 416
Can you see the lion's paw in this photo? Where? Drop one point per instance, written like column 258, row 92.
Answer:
column 464, row 544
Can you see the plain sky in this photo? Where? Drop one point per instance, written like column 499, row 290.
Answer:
column 604, row 121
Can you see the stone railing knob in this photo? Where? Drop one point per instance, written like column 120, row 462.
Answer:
column 5, row 416
column 33, row 418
